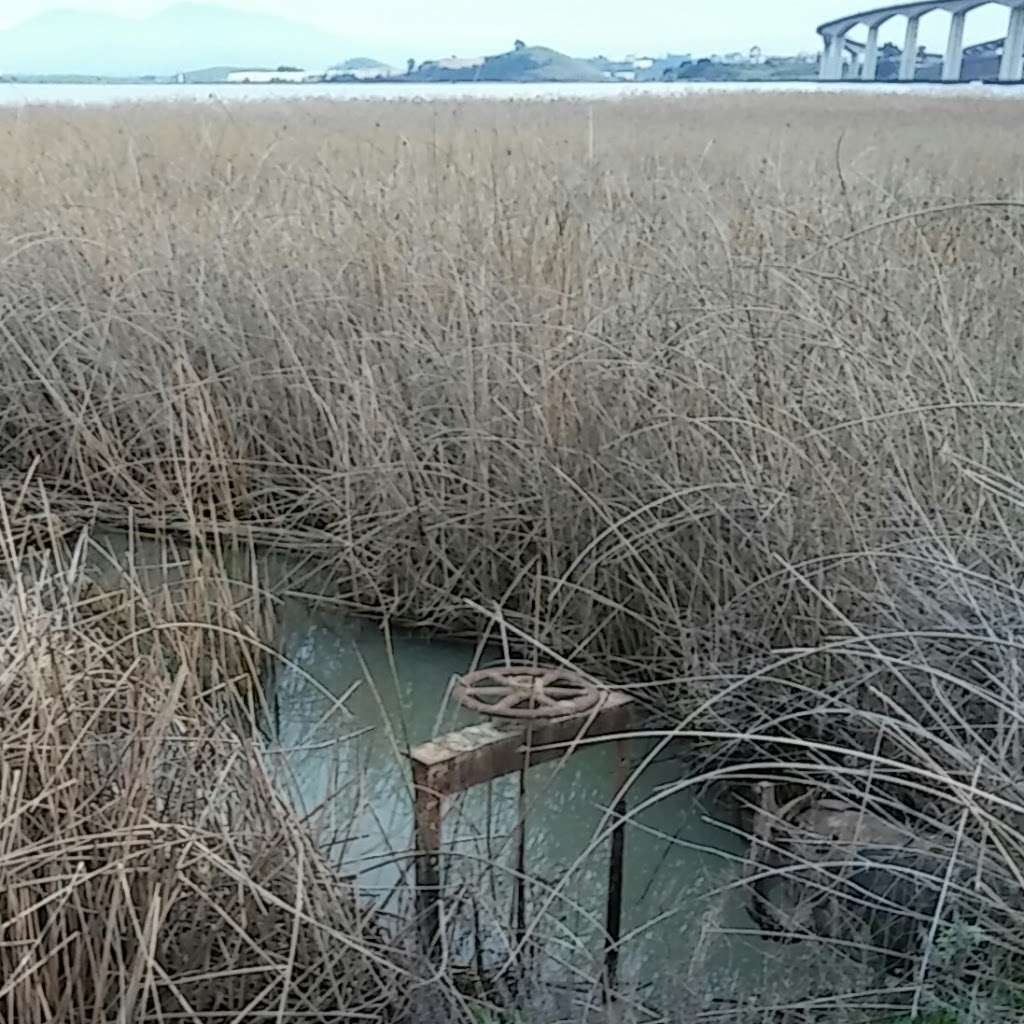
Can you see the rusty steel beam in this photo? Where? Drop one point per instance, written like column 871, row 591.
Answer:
column 478, row 754
column 482, row 753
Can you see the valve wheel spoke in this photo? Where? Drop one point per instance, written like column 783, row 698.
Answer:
column 489, row 691
column 526, row 693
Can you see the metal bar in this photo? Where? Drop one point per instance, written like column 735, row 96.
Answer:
column 482, row 753
column 521, row 865
column 613, row 912
column 488, row 751
column 428, row 811
column 520, row 880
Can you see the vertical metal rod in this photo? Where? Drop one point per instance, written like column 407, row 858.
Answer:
column 521, row 850
column 613, row 912
column 428, row 868
column 521, row 865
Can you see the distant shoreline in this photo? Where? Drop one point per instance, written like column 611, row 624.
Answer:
column 101, row 94
column 420, row 83
column 414, row 82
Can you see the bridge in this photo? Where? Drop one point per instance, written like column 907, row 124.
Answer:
column 837, row 45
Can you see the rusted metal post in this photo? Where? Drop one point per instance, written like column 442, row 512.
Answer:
column 613, row 912
column 458, row 761
column 428, row 862
column 520, row 879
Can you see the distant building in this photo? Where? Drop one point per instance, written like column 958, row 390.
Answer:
column 756, row 55
column 633, row 68
column 263, row 76
column 630, row 69
column 363, row 73
column 370, row 74
column 453, row 63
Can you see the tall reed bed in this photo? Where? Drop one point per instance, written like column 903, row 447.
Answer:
column 661, row 402
column 149, row 870
column 717, row 395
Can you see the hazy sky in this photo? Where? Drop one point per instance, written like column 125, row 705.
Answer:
column 581, row 27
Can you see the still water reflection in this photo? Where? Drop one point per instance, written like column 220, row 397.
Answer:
column 343, row 747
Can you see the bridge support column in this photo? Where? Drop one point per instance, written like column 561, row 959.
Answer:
column 908, row 63
column 826, row 69
column 832, row 61
column 826, row 56
column 853, row 69
column 952, row 65
column 869, row 69
column 1011, row 68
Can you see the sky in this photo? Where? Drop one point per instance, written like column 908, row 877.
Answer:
column 579, row 27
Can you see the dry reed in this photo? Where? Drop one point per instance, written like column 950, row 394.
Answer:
column 728, row 405
column 149, row 870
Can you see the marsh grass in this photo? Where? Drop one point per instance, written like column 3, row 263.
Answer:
column 630, row 401
column 150, row 870
column 727, row 406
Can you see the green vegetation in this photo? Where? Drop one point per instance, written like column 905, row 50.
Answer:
column 720, row 398
column 538, row 64
column 773, row 70
column 523, row 64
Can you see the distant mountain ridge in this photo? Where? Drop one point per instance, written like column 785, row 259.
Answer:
column 180, row 37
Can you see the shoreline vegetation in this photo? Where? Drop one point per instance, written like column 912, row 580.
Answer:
column 150, row 864
column 534, row 64
column 719, row 398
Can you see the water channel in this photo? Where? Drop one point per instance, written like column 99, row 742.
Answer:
column 349, row 702
column 19, row 94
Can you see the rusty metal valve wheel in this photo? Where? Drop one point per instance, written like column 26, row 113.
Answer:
column 523, row 692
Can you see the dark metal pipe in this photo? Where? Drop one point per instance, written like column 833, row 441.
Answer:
column 613, row 911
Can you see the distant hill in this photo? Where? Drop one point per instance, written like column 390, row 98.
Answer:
column 183, row 36
column 359, row 64
column 539, row 64
column 524, row 64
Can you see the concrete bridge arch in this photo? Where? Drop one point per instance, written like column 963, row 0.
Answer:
column 835, row 34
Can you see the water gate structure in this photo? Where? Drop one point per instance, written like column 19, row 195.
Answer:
column 538, row 715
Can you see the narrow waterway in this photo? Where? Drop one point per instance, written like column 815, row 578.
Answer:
column 350, row 700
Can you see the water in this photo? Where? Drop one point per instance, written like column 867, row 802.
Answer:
column 350, row 701
column 679, row 853
column 16, row 94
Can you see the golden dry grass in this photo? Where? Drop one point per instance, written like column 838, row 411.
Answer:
column 459, row 358
column 149, row 871
column 720, row 395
